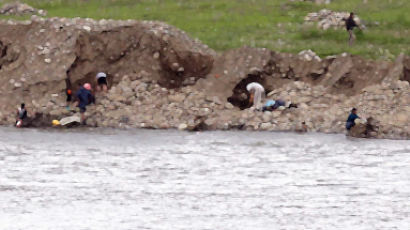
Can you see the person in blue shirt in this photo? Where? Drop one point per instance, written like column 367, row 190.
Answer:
column 350, row 120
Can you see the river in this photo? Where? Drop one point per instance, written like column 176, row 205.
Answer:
column 147, row 179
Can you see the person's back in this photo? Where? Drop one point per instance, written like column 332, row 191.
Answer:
column 84, row 96
column 352, row 117
column 257, row 93
column 254, row 86
column 22, row 113
column 350, row 23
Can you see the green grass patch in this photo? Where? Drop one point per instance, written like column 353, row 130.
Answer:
column 274, row 24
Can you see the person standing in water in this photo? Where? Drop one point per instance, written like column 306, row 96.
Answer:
column 102, row 82
column 257, row 94
column 21, row 115
column 84, row 98
column 350, row 25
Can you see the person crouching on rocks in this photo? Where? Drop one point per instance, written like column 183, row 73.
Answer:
column 84, row 98
column 257, row 94
column 350, row 120
column 272, row 105
column 102, row 82
column 21, row 116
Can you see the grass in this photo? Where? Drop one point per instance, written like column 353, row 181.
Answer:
column 274, row 24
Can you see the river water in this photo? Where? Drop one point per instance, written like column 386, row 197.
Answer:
column 146, row 179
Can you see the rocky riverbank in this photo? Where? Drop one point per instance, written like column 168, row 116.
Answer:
column 160, row 78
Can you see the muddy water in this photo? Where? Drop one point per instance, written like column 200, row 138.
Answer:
column 106, row 179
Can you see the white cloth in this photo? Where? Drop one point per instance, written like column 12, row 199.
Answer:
column 259, row 93
column 100, row 75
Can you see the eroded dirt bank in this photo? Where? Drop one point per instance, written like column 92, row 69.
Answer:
column 161, row 78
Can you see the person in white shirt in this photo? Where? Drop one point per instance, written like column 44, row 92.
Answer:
column 257, row 94
column 102, row 82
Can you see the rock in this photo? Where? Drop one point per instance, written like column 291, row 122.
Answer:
column 182, row 126
column 395, row 73
column 70, row 120
column 177, row 98
column 265, row 126
column 267, row 116
column 229, row 106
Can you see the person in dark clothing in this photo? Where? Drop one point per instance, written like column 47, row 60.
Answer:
column 350, row 25
column 350, row 120
column 69, row 93
column 84, row 98
column 69, row 98
column 21, row 115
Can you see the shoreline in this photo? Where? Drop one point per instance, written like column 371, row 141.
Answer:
column 160, row 78
column 90, row 129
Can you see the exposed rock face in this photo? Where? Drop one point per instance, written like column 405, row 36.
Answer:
column 39, row 57
column 160, row 78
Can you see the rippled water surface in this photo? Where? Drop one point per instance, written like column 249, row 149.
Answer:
column 106, row 179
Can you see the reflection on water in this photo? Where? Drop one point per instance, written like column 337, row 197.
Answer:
column 107, row 179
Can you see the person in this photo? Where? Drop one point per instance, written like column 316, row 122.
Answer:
column 21, row 115
column 68, row 93
column 268, row 105
column 102, row 82
column 272, row 105
column 257, row 94
column 84, row 98
column 352, row 117
column 350, row 25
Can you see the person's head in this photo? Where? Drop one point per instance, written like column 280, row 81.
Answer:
column 354, row 110
column 351, row 14
column 23, row 105
column 87, row 86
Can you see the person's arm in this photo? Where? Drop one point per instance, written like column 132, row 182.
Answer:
column 77, row 99
column 251, row 98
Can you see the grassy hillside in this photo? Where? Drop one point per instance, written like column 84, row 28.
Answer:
column 274, row 24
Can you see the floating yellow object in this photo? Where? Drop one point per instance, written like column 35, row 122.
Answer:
column 55, row 122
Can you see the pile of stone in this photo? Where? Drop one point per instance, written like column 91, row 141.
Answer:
column 309, row 55
column 17, row 8
column 327, row 19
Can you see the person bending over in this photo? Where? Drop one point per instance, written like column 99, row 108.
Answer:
column 84, row 98
column 257, row 94
column 102, row 82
